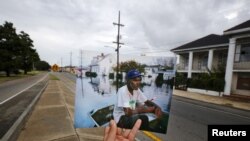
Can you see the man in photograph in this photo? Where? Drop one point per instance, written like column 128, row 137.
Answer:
column 132, row 104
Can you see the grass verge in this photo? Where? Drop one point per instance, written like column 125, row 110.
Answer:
column 53, row 77
column 4, row 78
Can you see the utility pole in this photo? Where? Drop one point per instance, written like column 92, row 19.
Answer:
column 81, row 52
column 118, row 46
column 70, row 62
column 61, row 64
column 81, row 75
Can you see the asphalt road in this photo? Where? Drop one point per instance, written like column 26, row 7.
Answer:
column 23, row 93
column 10, row 89
column 189, row 118
column 69, row 80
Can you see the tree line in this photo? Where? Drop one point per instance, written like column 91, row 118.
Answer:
column 17, row 51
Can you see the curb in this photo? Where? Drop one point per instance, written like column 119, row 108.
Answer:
column 229, row 104
column 13, row 132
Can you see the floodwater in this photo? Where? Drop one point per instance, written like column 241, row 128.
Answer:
column 96, row 93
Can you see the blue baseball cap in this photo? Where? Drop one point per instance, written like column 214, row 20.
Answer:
column 133, row 74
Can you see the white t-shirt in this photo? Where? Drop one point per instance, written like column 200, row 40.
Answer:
column 124, row 99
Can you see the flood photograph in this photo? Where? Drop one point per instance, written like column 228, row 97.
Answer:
column 142, row 90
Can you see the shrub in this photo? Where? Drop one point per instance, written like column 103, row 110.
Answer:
column 219, row 84
column 208, row 83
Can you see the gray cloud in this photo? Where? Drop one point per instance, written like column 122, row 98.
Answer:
column 61, row 26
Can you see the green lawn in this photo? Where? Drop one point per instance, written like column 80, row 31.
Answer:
column 53, row 77
column 4, row 78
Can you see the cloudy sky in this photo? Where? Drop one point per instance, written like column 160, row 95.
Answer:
column 152, row 27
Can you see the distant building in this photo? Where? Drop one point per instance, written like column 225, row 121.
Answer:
column 81, row 71
column 70, row 69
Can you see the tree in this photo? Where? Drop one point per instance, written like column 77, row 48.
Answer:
column 128, row 65
column 27, row 54
column 167, row 63
column 35, row 58
column 8, row 48
column 16, row 50
column 42, row 65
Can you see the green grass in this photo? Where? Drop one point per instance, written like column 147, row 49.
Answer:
column 34, row 72
column 4, row 78
column 53, row 77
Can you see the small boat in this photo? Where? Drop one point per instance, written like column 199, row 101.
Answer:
column 101, row 117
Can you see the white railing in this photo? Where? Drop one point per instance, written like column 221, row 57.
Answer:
column 242, row 66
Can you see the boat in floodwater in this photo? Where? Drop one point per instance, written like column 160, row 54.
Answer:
column 102, row 116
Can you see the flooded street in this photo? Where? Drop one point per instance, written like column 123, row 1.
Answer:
column 96, row 93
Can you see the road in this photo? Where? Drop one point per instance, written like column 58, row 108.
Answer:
column 12, row 88
column 188, row 118
column 17, row 99
column 68, row 79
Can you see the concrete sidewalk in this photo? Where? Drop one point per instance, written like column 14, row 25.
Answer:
column 226, row 101
column 53, row 116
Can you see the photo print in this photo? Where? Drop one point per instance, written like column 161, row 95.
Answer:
column 141, row 90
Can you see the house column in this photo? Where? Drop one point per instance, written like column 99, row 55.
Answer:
column 229, row 67
column 210, row 59
column 190, row 64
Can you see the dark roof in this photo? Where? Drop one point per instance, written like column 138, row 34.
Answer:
column 211, row 39
column 246, row 24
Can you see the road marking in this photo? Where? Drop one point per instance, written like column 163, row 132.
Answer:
column 22, row 90
column 204, row 107
column 152, row 136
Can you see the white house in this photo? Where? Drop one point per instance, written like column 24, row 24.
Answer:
column 103, row 64
column 232, row 49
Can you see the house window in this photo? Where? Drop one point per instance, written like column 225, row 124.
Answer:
column 245, row 53
column 199, row 62
column 242, row 53
column 204, row 61
column 186, row 62
column 222, row 58
column 237, row 53
column 243, row 82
